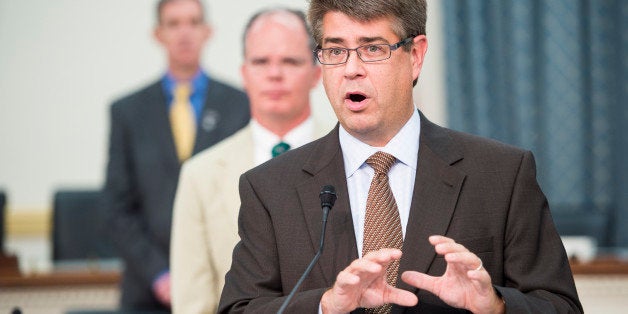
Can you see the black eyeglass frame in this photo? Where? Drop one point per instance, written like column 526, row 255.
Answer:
column 318, row 51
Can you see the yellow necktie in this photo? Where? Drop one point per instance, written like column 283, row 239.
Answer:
column 182, row 121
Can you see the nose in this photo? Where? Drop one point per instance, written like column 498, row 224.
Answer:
column 354, row 67
column 275, row 71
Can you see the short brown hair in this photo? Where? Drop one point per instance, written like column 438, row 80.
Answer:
column 409, row 16
column 162, row 3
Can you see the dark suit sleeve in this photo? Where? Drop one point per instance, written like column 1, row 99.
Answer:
column 121, row 198
column 254, row 283
column 538, row 278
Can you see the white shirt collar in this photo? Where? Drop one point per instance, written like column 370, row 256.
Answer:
column 264, row 139
column 404, row 146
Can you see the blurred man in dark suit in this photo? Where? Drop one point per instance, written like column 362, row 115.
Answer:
column 152, row 132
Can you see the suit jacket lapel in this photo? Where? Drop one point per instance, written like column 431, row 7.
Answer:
column 237, row 164
column 326, row 165
column 436, row 191
column 158, row 122
column 209, row 119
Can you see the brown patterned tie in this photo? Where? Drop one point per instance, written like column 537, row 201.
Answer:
column 382, row 225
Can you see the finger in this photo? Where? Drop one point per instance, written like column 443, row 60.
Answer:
column 479, row 274
column 383, row 256
column 449, row 247
column 362, row 271
column 346, row 279
column 400, row 296
column 469, row 260
column 472, row 267
column 364, row 265
column 374, row 261
column 419, row 280
column 436, row 239
column 481, row 280
column 366, row 270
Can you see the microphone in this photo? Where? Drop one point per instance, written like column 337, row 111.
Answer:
column 328, row 198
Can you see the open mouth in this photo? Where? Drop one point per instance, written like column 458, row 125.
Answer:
column 355, row 97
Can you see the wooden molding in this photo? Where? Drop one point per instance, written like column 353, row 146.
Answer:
column 28, row 222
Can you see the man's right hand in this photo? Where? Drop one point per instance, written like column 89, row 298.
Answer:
column 161, row 289
column 363, row 284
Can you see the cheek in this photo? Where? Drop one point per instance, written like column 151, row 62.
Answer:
column 390, row 83
column 298, row 80
column 325, row 78
column 327, row 87
column 332, row 84
column 252, row 88
column 168, row 41
column 198, row 42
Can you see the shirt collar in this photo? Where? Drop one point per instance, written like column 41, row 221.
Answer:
column 199, row 82
column 404, row 146
column 264, row 139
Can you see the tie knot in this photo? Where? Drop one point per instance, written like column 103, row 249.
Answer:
column 182, row 91
column 381, row 162
column 280, row 148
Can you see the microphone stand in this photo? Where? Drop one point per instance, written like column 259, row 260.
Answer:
column 328, row 197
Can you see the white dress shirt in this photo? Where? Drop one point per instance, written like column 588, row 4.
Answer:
column 404, row 146
column 265, row 140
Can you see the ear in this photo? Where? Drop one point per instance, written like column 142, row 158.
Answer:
column 243, row 75
column 418, row 55
column 158, row 34
column 208, row 32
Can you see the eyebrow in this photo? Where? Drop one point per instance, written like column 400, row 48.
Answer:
column 287, row 59
column 361, row 40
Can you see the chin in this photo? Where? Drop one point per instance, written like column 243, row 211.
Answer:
column 187, row 59
column 358, row 125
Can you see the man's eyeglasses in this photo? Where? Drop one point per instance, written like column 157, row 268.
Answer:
column 366, row 53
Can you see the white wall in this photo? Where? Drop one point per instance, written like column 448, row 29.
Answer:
column 62, row 62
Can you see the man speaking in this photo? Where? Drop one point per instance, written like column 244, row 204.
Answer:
column 426, row 219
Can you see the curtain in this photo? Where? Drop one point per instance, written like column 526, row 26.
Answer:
column 550, row 76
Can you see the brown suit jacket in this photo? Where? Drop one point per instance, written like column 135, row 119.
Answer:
column 482, row 193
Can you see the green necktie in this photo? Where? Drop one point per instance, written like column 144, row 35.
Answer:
column 280, row 148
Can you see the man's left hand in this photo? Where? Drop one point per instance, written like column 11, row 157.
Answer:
column 465, row 283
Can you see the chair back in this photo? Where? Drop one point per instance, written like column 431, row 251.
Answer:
column 78, row 231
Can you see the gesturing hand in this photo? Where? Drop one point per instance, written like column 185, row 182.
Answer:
column 465, row 283
column 363, row 284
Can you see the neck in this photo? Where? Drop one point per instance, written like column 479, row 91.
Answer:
column 281, row 126
column 183, row 73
